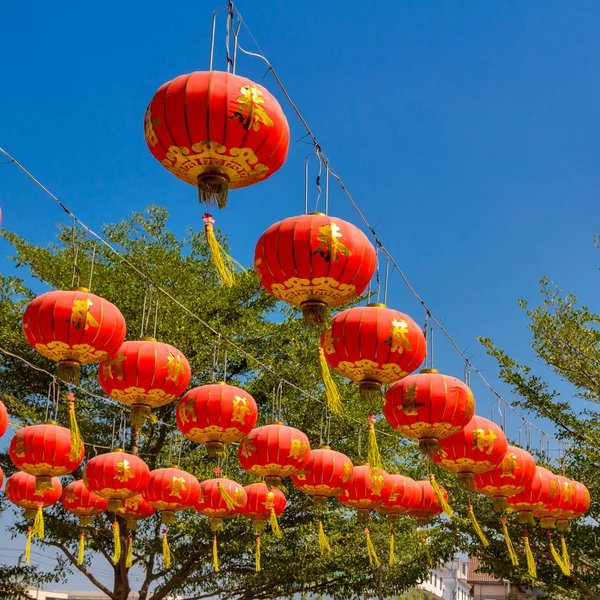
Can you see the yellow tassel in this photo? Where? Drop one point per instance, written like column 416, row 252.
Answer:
column 332, row 394
column 442, row 499
column 509, row 545
column 323, row 541
column 275, row 529
column 116, row 543
column 141, row 413
column 229, row 501
column 28, row 545
column 531, row 568
column 392, row 560
column 38, row 524
column 427, row 554
column 476, row 527
column 166, row 550
column 129, row 558
column 565, row 552
column 257, row 555
column 565, row 568
column 224, row 264
column 373, row 558
column 81, row 550
column 75, row 452
column 215, row 554
column 373, row 456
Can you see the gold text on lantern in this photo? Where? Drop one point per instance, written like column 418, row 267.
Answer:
column 484, row 441
column 298, row 449
column 80, row 315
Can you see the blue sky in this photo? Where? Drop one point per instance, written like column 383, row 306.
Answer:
column 467, row 132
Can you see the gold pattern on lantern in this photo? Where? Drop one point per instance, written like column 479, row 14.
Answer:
column 19, row 445
column 347, row 473
column 298, row 449
column 149, row 128
column 398, row 339
column 328, row 290
column 377, row 482
column 393, row 494
column 82, row 353
column 250, row 113
column 80, row 314
column 240, row 410
column 113, row 367
column 510, row 465
column 553, row 489
column 568, row 492
column 330, row 246
column 247, row 448
column 177, row 486
column 138, row 395
column 132, row 503
column 175, row 367
column 124, row 473
column 409, row 401
column 484, row 441
column 186, row 411
column 366, row 369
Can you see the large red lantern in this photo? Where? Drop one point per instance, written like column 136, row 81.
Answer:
column 73, row 328
column 45, row 451
column 219, row 499
column 549, row 506
column 217, row 131
column 274, row 451
column 366, row 491
column 144, row 374
column 430, row 505
column 3, row 419
column 428, row 406
column 373, row 345
column 263, row 504
column 543, row 493
column 327, row 474
column 399, row 497
column 512, row 476
column 575, row 501
column 78, row 499
column 171, row 490
column 314, row 262
column 478, row 447
column 116, row 476
column 216, row 415
column 135, row 509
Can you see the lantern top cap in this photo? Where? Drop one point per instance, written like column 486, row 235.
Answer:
column 172, row 466
column 147, row 338
column 376, row 305
column 118, row 450
column 434, row 371
column 80, row 289
column 317, row 214
column 276, row 422
column 325, row 447
column 219, row 383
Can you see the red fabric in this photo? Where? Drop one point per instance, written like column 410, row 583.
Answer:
column 211, row 503
column 550, row 499
column 20, row 490
column 429, row 506
column 314, row 258
column 582, row 499
column 568, row 498
column 73, row 325
column 3, row 419
column 172, row 489
column 43, row 451
column 78, row 499
column 116, row 475
column 192, row 110
column 512, row 476
column 136, row 509
column 365, row 492
column 429, row 405
column 260, row 501
column 373, row 343
column 400, row 495
column 327, row 473
column 216, row 413
column 542, row 494
column 274, row 450
column 145, row 373
column 478, row 447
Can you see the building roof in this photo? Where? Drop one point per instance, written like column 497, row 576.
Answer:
column 474, row 576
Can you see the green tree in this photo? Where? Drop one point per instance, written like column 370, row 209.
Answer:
column 252, row 319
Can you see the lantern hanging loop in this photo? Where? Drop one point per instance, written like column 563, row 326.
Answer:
column 53, row 395
column 385, row 282
column 225, row 367
column 92, row 266
column 155, row 319
column 306, row 159
column 377, row 278
column 216, row 352
column 326, row 188
column 75, row 248
column 318, row 179
column 114, row 428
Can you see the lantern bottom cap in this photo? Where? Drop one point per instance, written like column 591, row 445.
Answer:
column 213, row 189
column 500, row 503
column 429, row 446
column 215, row 449
column 69, row 371
column 314, row 312
column 272, row 481
column 466, row 479
column 320, row 503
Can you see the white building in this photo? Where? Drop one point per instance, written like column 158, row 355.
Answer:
column 447, row 582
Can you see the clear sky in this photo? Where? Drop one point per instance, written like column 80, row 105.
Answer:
column 467, row 131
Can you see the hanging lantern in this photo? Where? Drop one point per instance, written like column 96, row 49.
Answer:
column 45, row 451
column 263, row 504
column 217, row 131
column 21, row 490
column 549, row 506
column 575, row 502
column 116, row 476
column 220, row 499
column 366, row 491
column 171, row 490
column 542, row 493
column 428, row 406
column 274, row 451
column 315, row 262
column 3, row 419
column 373, row 345
column 478, row 447
column 512, row 476
column 73, row 328
column 430, row 505
column 77, row 499
column 399, row 497
column 144, row 374
column 216, row 415
column 135, row 509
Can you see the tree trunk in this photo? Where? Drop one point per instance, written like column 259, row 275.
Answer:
column 380, row 584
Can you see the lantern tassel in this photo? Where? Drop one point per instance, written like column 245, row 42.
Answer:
column 531, row 568
column 565, row 552
column 324, row 545
column 373, row 558
column 38, row 524
column 215, row 554
column 564, row 567
column 116, row 543
column 231, row 502
column 81, row 550
column 28, row 545
column 476, row 527
column 392, row 560
column 371, row 393
column 69, row 371
column 373, row 455
column 440, row 494
column 166, row 550
column 315, row 313
column 75, row 452
column 332, row 394
column 129, row 558
column 224, row 264
column 213, row 189
column 427, row 553
column 509, row 545
column 257, row 555
column 275, row 529
column 140, row 413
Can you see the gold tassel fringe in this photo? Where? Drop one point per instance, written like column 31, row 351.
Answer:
column 373, row 558
column 213, row 189
column 565, row 568
column 257, row 555
column 81, row 550
column 531, row 568
column 28, row 545
column 427, row 554
column 373, row 455
column 224, row 264
column 231, row 503
column 75, row 452
column 116, row 543
column 565, row 552
column 332, row 394
column 275, row 529
column 38, row 524
column 476, row 527
column 141, row 413
column 440, row 494
column 215, row 554
column 509, row 545
column 392, row 560
column 324, row 545
column 69, row 371
column 129, row 558
column 166, row 550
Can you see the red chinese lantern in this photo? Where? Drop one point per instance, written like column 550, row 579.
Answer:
column 171, row 490
column 430, row 505
column 542, row 493
column 373, row 345
column 220, row 499
column 314, row 262
column 21, row 490
column 116, row 476
column 366, row 491
column 428, row 406
column 216, row 415
column 77, row 499
column 217, row 131
column 575, row 502
column 327, row 474
column 274, row 451
column 263, row 504
column 549, row 506
column 45, row 451
column 3, row 419
column 135, row 509
column 478, row 447
column 73, row 328
column 399, row 497
column 512, row 476
column 144, row 374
